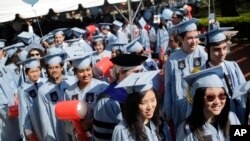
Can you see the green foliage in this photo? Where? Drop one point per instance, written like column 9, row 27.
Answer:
column 240, row 23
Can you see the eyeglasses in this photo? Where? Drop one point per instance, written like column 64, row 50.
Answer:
column 211, row 98
column 34, row 54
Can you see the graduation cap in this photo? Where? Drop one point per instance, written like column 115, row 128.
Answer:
column 48, row 38
column 23, row 55
column 215, row 35
column 34, row 45
column 128, row 60
column 134, row 46
column 116, row 46
column 105, row 25
column 77, row 32
column 211, row 77
column 188, row 25
column 142, row 22
column 117, row 23
column 138, row 82
column 167, row 14
column 2, row 43
column 13, row 48
column 147, row 14
column 178, row 11
column 81, row 61
column 98, row 38
column 59, row 31
column 33, row 62
column 54, row 56
column 28, row 37
column 241, row 90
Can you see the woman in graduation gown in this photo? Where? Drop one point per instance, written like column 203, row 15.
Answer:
column 210, row 118
column 141, row 113
column 86, row 88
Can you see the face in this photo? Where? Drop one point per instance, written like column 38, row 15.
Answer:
column 99, row 46
column 104, row 31
column 172, row 42
column 214, row 100
column 218, row 53
column 34, row 53
column 147, row 106
column 1, row 54
column 59, row 38
column 55, row 71
column 190, row 41
column 84, row 75
column 34, row 74
column 124, row 73
column 175, row 20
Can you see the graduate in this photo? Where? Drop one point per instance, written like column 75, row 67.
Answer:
column 141, row 109
column 122, row 38
column 29, row 121
column 59, row 38
column 9, row 129
column 107, row 113
column 100, row 48
column 186, row 60
column 2, row 52
column 217, row 47
column 52, row 92
column 86, row 88
column 109, row 37
column 210, row 116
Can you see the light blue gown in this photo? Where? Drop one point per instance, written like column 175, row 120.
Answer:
column 178, row 65
column 121, row 132
column 49, row 94
column 9, row 129
column 162, row 40
column 212, row 134
column 29, row 122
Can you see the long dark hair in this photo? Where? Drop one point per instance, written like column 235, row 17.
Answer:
column 197, row 118
column 133, row 119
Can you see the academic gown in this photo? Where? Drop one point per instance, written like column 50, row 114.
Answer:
column 212, row 134
column 232, row 69
column 121, row 132
column 180, row 64
column 97, row 57
column 107, row 113
column 162, row 40
column 29, row 121
column 48, row 95
column 9, row 129
column 89, row 94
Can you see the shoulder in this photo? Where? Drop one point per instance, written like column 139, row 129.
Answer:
column 233, row 119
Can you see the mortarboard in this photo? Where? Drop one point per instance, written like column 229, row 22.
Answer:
column 215, row 35
column 23, row 55
column 33, row 62
column 147, row 14
column 28, row 37
column 142, row 22
column 138, row 82
column 167, row 14
column 98, row 38
column 134, row 46
column 241, row 90
column 211, row 77
column 54, row 56
column 116, row 45
column 48, row 38
column 2, row 43
column 188, row 25
column 81, row 61
column 13, row 48
column 105, row 25
column 34, row 45
column 77, row 32
column 118, row 23
column 128, row 60
column 59, row 31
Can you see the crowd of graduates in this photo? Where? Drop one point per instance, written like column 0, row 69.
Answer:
column 155, row 79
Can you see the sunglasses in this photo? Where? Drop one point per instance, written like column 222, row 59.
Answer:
column 35, row 54
column 211, row 98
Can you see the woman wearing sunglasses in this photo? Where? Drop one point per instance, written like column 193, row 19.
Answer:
column 210, row 117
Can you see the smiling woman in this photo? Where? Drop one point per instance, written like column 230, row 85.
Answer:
column 210, row 121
